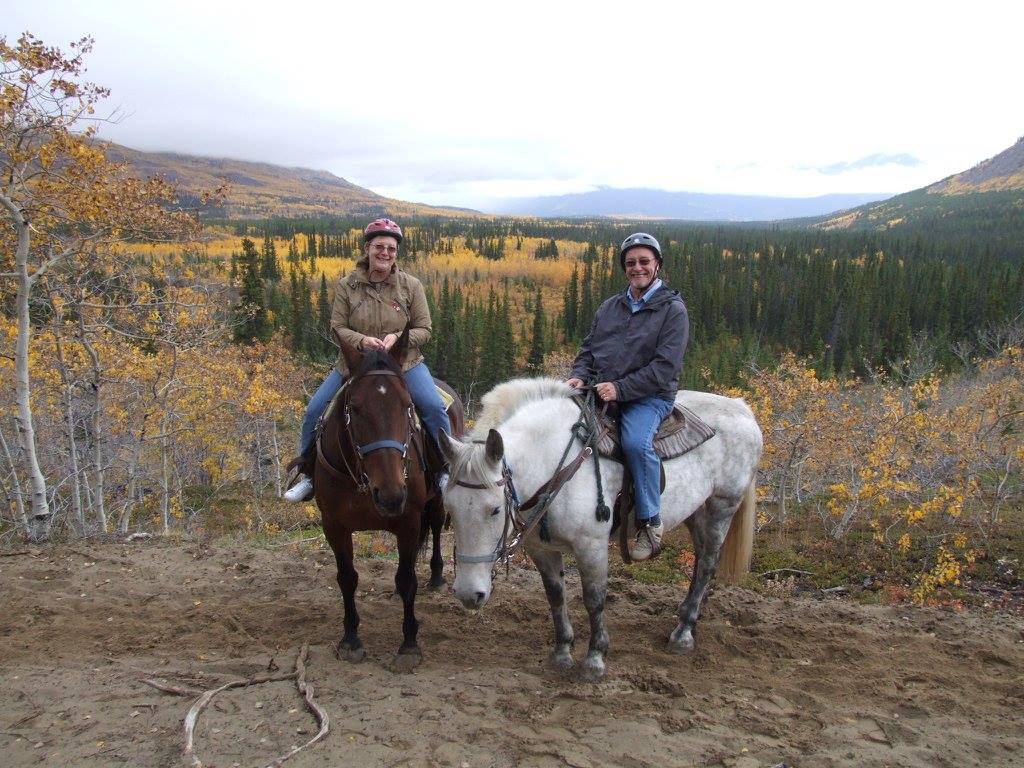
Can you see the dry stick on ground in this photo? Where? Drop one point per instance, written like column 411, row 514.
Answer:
column 307, row 693
column 296, row 541
column 16, row 553
column 176, row 690
column 299, row 676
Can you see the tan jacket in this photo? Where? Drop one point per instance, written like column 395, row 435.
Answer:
column 362, row 308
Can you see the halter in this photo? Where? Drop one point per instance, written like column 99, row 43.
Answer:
column 357, row 474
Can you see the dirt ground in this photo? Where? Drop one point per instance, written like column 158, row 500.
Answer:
column 801, row 681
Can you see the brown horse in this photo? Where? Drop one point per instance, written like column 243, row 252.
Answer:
column 370, row 476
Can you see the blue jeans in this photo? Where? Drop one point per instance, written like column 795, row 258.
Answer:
column 639, row 421
column 421, row 388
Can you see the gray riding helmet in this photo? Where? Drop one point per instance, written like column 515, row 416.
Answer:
column 637, row 239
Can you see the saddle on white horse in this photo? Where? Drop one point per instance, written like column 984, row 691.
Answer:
column 680, row 432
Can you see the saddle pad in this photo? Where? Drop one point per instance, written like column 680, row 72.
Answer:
column 445, row 397
column 680, row 432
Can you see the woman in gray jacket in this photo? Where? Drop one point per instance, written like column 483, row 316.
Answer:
column 634, row 352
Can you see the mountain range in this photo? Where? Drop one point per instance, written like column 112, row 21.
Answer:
column 992, row 191
column 261, row 190
column 643, row 203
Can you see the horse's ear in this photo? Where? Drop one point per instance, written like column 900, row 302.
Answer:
column 495, row 447
column 352, row 356
column 401, row 347
column 448, row 445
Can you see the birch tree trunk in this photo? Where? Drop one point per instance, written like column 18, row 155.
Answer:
column 69, row 427
column 40, row 521
column 19, row 502
column 278, row 489
column 165, row 475
column 97, row 429
column 125, row 517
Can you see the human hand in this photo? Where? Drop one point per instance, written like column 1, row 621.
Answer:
column 389, row 341
column 574, row 382
column 372, row 342
column 606, row 391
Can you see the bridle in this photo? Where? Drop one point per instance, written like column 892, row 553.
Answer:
column 357, row 474
column 506, row 547
column 589, row 431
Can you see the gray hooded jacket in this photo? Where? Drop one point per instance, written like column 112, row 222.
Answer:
column 642, row 353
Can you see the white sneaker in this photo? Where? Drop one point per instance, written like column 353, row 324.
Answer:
column 301, row 491
column 648, row 542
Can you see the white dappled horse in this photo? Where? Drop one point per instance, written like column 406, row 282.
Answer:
column 525, row 424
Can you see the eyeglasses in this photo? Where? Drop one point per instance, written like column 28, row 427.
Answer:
column 638, row 262
column 391, row 250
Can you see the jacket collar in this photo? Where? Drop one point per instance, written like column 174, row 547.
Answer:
column 661, row 296
column 361, row 273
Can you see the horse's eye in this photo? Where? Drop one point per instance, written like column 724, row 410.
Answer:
column 495, row 511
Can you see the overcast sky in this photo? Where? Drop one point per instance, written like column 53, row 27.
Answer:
column 457, row 103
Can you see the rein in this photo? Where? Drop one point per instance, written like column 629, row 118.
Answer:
column 357, row 474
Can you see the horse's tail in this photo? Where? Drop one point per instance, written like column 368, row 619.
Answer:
column 738, row 547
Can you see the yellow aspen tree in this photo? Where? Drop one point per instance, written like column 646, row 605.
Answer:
column 61, row 198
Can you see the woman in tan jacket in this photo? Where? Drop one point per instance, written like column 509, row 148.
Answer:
column 372, row 306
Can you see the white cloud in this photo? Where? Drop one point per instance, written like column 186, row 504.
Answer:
column 460, row 102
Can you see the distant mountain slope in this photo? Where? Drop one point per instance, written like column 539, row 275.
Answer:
column 988, row 199
column 660, row 204
column 1002, row 173
column 262, row 190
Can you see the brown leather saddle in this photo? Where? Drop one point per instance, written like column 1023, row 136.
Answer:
column 680, row 432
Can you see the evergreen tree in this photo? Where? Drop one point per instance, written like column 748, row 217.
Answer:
column 250, row 313
column 269, row 269
column 535, row 359
column 326, row 348
column 571, row 308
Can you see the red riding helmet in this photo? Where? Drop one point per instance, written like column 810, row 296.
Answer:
column 382, row 227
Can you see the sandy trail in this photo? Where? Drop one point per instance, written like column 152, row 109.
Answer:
column 807, row 682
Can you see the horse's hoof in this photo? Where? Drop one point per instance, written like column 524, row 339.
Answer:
column 438, row 583
column 406, row 661
column 560, row 661
column 681, row 641
column 350, row 653
column 592, row 669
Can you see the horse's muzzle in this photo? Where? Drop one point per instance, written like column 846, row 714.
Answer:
column 474, row 601
column 389, row 504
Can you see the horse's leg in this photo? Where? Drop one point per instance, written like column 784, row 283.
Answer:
column 593, row 564
column 409, row 655
column 708, row 528
column 351, row 647
column 552, row 573
column 436, row 517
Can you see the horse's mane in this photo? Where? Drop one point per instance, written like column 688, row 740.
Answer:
column 505, row 399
